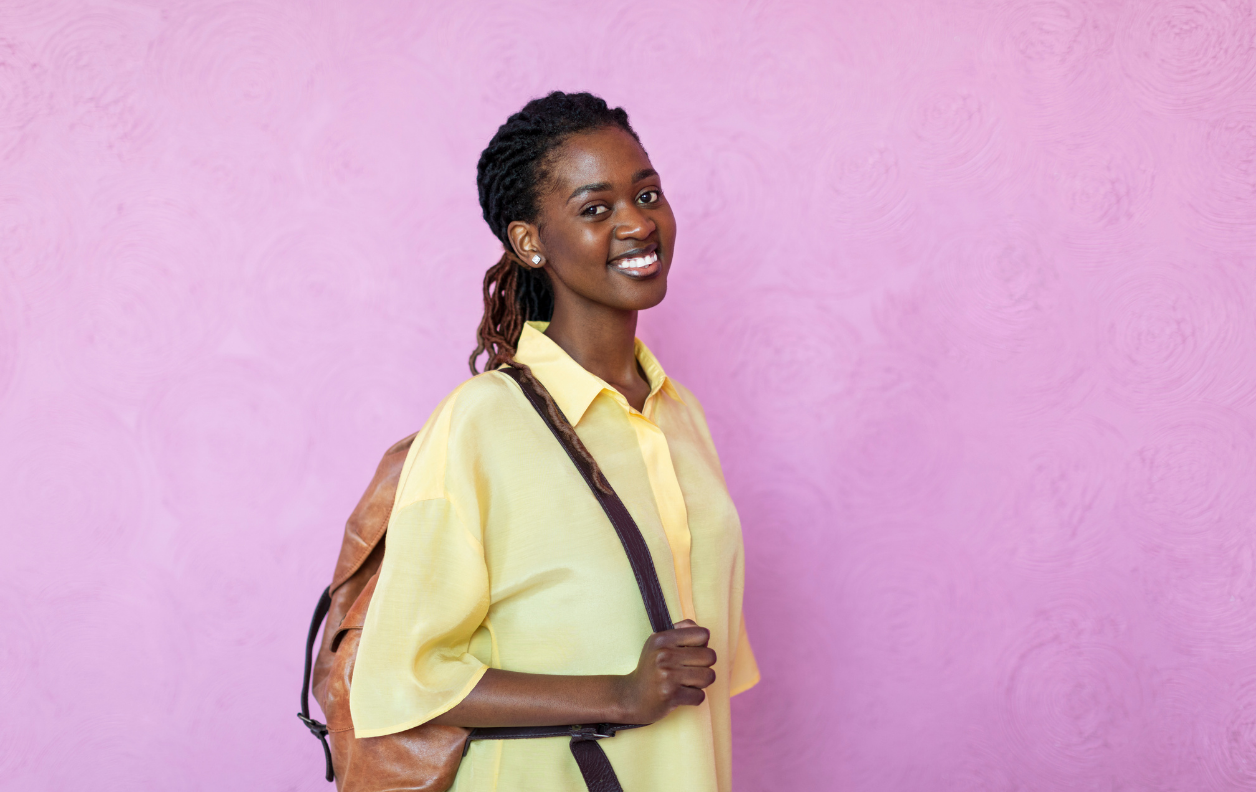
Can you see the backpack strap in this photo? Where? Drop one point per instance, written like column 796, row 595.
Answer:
column 596, row 769
column 319, row 730
column 594, row 766
column 626, row 528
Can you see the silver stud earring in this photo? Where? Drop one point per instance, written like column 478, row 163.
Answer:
column 536, row 259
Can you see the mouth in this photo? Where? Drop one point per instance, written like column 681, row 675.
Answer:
column 637, row 264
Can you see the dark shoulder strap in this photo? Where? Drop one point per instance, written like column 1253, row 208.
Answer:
column 629, row 534
column 594, row 766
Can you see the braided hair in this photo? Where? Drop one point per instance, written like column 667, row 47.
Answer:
column 511, row 176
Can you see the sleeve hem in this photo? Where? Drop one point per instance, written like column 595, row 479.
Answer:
column 441, row 710
column 743, row 687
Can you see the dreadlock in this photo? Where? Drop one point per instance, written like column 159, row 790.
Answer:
column 511, row 174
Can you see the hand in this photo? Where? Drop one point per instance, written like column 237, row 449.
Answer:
column 674, row 668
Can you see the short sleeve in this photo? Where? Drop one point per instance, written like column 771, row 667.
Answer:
column 413, row 661
column 745, row 674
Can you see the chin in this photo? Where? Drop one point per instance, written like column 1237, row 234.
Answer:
column 646, row 298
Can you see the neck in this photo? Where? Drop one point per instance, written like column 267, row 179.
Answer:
column 602, row 341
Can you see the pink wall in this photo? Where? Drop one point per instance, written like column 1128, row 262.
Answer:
column 967, row 289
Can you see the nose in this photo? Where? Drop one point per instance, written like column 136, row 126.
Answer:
column 634, row 223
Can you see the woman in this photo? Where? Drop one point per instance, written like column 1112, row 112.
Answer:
column 505, row 597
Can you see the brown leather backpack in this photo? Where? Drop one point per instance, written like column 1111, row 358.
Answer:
column 426, row 757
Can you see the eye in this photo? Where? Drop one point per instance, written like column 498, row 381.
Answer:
column 649, row 197
column 595, row 210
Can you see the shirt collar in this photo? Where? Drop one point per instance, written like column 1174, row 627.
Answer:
column 573, row 387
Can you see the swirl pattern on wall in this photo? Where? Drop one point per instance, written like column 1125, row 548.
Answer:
column 1059, row 49
column 244, row 62
column 148, row 305
column 859, row 183
column 1187, row 55
column 899, row 602
column 302, row 276
column 75, row 459
column 11, row 315
column 1059, row 504
column 1073, row 697
column 1234, row 764
column 1104, row 182
column 37, row 238
column 1223, row 190
column 24, row 95
column 229, row 447
column 1193, row 478
column 994, row 288
column 965, row 290
column 890, row 460
column 1203, row 599
column 784, row 337
column 95, row 62
column 1170, row 333
column 955, row 132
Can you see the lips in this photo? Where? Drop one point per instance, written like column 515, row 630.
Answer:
column 639, row 264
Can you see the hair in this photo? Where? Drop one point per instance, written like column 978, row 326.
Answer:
column 512, row 174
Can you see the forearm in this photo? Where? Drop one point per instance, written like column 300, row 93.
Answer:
column 510, row 698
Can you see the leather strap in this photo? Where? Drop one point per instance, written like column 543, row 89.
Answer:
column 319, row 730
column 629, row 534
column 596, row 769
column 598, row 774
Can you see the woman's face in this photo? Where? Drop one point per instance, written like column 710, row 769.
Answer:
column 605, row 230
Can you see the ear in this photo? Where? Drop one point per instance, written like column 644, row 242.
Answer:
column 525, row 239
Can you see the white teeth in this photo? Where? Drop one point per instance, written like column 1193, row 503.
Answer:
column 639, row 262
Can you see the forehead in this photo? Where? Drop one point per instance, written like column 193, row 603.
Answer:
column 604, row 155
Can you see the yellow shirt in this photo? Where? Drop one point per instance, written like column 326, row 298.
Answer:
column 499, row 556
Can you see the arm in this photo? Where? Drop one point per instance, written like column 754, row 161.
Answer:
column 673, row 670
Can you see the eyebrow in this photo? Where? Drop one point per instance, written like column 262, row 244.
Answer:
column 602, row 186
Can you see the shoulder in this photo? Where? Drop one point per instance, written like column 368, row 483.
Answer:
column 483, row 395
column 687, row 396
column 690, row 406
column 461, row 417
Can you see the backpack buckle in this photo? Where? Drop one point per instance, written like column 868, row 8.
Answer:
column 596, row 731
column 318, row 729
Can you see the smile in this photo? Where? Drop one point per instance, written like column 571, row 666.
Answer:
column 638, row 266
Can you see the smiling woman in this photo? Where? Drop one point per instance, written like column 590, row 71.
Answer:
column 505, row 601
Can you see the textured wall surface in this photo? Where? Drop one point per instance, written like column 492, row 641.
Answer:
column 968, row 289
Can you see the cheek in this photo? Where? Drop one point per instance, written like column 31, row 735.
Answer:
column 667, row 225
column 579, row 254
column 571, row 243
column 590, row 246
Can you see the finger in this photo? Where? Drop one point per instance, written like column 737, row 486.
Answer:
column 697, row 656
column 686, row 656
column 696, row 677
column 692, row 636
column 689, row 696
